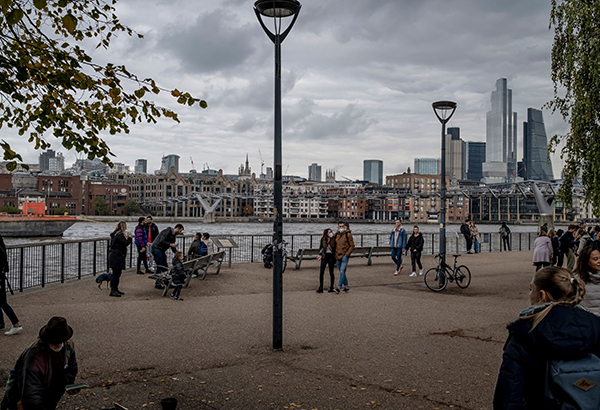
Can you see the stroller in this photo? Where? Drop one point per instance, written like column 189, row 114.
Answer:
column 267, row 255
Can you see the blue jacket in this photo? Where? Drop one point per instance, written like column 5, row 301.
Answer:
column 565, row 333
column 401, row 242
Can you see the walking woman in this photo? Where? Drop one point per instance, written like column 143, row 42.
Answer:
column 475, row 236
column 4, row 306
column 542, row 251
column 553, row 328
column 555, row 246
column 588, row 270
column 415, row 247
column 119, row 241
column 327, row 258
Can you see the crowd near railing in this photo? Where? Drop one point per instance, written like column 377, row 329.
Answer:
column 43, row 263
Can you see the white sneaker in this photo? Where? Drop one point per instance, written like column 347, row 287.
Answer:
column 14, row 330
column 412, row 275
column 396, row 273
column 421, row 272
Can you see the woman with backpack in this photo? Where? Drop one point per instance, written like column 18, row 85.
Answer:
column 553, row 329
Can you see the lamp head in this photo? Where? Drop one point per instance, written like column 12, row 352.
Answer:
column 444, row 110
column 277, row 8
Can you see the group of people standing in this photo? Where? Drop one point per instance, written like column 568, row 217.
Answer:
column 400, row 244
column 472, row 237
column 335, row 249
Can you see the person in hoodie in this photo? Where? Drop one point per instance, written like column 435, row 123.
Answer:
column 141, row 243
column 178, row 275
column 119, row 242
column 397, row 243
column 588, row 270
column 553, row 328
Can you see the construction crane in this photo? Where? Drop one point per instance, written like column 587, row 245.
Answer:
column 192, row 161
column 262, row 163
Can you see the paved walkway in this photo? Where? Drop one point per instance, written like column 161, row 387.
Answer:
column 389, row 343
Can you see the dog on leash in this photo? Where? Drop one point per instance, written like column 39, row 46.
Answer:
column 105, row 277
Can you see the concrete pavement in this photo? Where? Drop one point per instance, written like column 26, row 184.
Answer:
column 389, row 343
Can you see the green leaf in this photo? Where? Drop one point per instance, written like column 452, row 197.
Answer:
column 203, row 104
column 39, row 4
column 70, row 22
column 14, row 16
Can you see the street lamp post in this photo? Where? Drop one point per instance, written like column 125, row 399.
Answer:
column 277, row 9
column 443, row 111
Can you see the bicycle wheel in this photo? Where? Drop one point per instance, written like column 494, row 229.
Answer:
column 462, row 276
column 435, row 280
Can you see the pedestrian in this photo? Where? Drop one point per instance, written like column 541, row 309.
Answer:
column 542, row 251
column 208, row 243
column 588, row 270
column 119, row 242
column 466, row 231
column 555, row 246
column 475, row 236
column 166, row 239
column 553, row 328
column 327, row 258
column 505, row 235
column 43, row 370
column 178, row 275
column 415, row 247
column 583, row 239
column 4, row 306
column 141, row 243
column 561, row 255
column 194, row 249
column 597, row 233
column 152, row 232
column 344, row 245
column 398, row 244
column 567, row 242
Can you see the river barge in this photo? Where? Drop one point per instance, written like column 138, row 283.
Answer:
column 27, row 226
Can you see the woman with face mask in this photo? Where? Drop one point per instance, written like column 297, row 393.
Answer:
column 327, row 258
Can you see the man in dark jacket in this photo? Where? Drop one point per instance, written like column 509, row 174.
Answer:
column 566, row 246
column 415, row 247
column 141, row 243
column 166, row 239
column 466, row 231
column 43, row 370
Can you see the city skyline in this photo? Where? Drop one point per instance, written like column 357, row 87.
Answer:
column 358, row 86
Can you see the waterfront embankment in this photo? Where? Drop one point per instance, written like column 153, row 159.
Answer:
column 389, row 343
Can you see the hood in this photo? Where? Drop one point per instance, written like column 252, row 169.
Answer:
column 565, row 333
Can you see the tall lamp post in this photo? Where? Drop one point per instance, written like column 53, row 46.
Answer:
column 276, row 9
column 443, row 111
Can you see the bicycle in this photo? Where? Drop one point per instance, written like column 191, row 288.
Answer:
column 436, row 279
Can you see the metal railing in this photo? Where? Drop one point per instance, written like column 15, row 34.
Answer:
column 51, row 262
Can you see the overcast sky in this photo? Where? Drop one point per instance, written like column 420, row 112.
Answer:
column 358, row 79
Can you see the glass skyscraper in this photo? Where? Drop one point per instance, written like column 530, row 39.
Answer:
column 373, row 171
column 475, row 159
column 501, row 136
column 537, row 165
column 427, row 166
column 314, row 172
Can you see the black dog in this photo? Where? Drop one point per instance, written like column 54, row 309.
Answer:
column 105, row 277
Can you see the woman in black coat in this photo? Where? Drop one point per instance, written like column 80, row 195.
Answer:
column 415, row 247
column 327, row 257
column 553, row 328
column 119, row 242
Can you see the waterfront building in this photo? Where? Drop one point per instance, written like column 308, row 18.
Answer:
column 427, row 166
column 314, row 172
column 45, row 161
column 373, row 171
column 416, row 183
column 501, row 137
column 119, row 168
column 475, row 157
column 141, row 166
column 56, row 163
column 536, row 162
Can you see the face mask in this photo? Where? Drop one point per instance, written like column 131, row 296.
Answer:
column 341, row 229
column 331, row 234
column 56, row 348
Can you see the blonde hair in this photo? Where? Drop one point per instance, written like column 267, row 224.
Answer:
column 561, row 287
column 122, row 227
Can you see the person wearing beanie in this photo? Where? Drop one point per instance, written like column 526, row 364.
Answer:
column 43, row 370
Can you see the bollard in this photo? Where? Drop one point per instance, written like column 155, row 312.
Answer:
column 169, row 403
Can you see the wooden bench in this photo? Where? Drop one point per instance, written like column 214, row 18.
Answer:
column 206, row 261
column 359, row 252
column 165, row 278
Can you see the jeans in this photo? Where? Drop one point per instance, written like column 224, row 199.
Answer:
column 397, row 257
column 506, row 242
column 9, row 312
column 342, row 264
column 160, row 258
column 328, row 259
column 415, row 259
column 142, row 258
column 476, row 245
column 469, row 241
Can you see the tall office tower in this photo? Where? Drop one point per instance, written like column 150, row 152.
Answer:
column 314, row 172
column 536, row 164
column 501, row 137
column 373, row 171
column 269, row 173
column 455, row 155
column 169, row 161
column 475, row 157
column 141, row 166
column 330, row 175
column 56, row 163
column 427, row 166
column 44, row 159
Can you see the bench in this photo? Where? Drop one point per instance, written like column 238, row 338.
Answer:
column 165, row 278
column 358, row 252
column 205, row 262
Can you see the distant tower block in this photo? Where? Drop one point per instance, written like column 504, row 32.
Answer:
column 330, row 175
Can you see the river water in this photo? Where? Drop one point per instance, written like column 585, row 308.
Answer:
column 91, row 230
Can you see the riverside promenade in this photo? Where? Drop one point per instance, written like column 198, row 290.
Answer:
column 389, row 343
